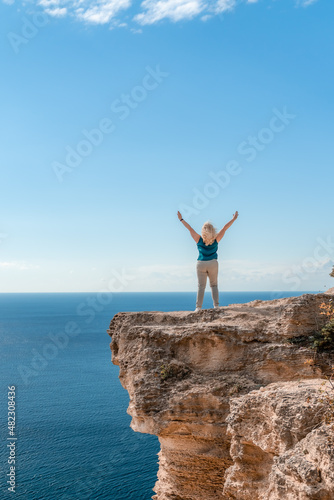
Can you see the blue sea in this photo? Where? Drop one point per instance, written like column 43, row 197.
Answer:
column 73, row 435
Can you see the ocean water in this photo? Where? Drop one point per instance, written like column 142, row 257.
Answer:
column 73, row 436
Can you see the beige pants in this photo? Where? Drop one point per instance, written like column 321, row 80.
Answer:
column 207, row 268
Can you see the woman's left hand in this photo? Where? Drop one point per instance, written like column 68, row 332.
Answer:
column 179, row 215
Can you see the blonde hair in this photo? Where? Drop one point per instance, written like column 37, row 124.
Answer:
column 208, row 233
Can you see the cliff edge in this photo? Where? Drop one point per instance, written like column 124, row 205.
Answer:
column 236, row 407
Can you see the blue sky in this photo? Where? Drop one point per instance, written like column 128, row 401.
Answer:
column 117, row 114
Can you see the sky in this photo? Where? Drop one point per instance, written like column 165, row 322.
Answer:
column 116, row 114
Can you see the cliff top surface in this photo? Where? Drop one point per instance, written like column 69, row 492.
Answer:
column 279, row 318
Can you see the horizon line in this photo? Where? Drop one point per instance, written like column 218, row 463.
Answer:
column 192, row 291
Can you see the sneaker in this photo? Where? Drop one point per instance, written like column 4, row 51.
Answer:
column 197, row 309
column 216, row 307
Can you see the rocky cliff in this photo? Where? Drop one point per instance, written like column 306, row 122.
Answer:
column 237, row 408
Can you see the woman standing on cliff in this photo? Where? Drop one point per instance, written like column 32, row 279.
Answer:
column 207, row 262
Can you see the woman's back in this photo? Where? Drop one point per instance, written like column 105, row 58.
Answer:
column 207, row 252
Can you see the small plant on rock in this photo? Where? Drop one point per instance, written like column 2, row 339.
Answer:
column 166, row 371
column 174, row 369
column 323, row 339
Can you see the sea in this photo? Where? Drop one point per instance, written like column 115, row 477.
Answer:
column 72, row 438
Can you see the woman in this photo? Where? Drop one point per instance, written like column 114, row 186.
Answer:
column 207, row 262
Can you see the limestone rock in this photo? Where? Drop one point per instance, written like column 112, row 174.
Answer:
column 306, row 471
column 190, row 375
column 264, row 425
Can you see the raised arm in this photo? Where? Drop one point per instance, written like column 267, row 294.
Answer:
column 193, row 233
column 229, row 224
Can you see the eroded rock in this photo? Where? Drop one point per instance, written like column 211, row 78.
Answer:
column 266, row 426
column 190, row 375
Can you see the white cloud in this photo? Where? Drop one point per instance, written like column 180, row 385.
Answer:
column 233, row 275
column 175, row 10
column 103, row 11
column 18, row 265
column 48, row 3
column 206, row 17
column 58, row 12
column 224, row 5
column 306, row 3
column 147, row 12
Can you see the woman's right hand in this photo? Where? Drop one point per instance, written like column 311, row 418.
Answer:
column 236, row 215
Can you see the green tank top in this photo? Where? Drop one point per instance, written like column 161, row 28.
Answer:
column 207, row 252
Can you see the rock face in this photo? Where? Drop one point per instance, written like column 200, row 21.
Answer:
column 276, row 452
column 236, row 407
